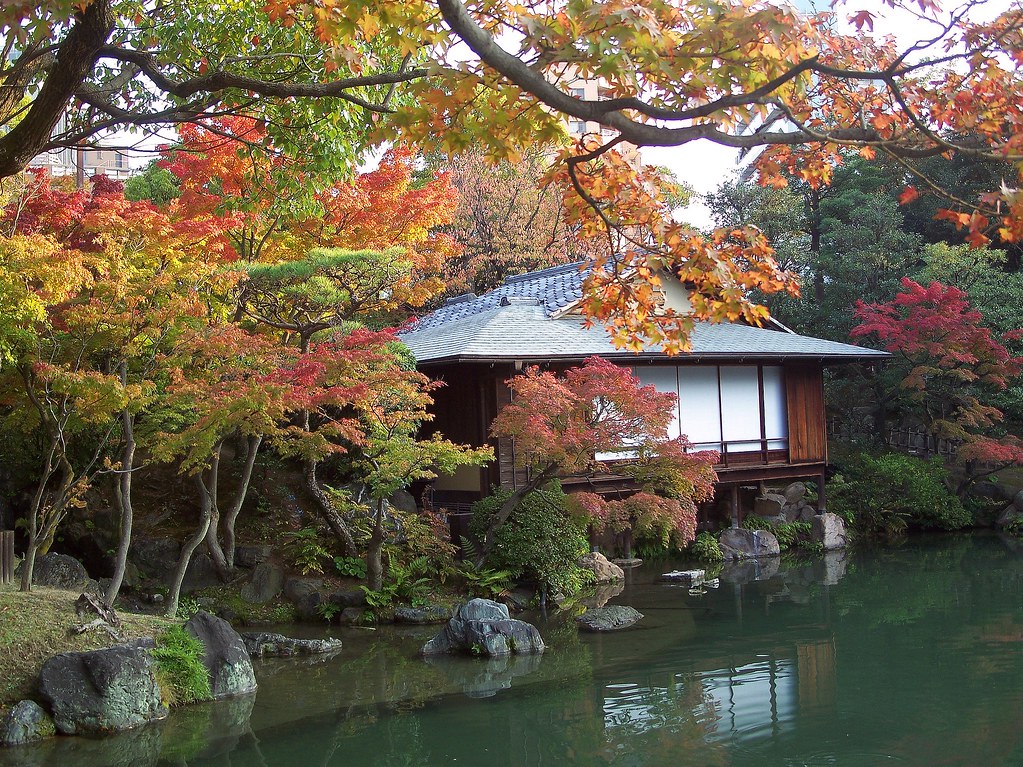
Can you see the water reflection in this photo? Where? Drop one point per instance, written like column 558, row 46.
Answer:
column 484, row 677
column 908, row 655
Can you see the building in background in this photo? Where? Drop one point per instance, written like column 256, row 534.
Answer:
column 66, row 162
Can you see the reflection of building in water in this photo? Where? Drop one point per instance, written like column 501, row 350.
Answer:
column 758, row 696
column 816, row 670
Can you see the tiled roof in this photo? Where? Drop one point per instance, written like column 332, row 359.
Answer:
column 515, row 322
column 554, row 288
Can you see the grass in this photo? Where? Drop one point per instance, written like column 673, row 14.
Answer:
column 179, row 667
column 36, row 626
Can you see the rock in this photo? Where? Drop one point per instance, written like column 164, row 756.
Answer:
column 610, row 618
column 603, row 570
column 483, row 627
column 251, row 555
column 101, row 691
column 1017, row 501
column 519, row 598
column 200, row 574
column 267, row 581
column 421, row 616
column 690, row 578
column 351, row 616
column 24, row 723
column 403, row 501
column 806, row 513
column 59, row 571
column 297, row 589
column 352, row 598
column 482, row 610
column 267, row 645
column 738, row 543
column 155, row 557
column 794, row 493
column 769, row 505
column 829, row 529
column 226, row 659
column 305, row 594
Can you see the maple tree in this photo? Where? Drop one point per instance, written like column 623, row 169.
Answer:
column 507, row 222
column 598, row 420
column 384, row 451
column 951, row 365
column 102, row 283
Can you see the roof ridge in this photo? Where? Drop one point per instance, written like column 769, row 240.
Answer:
column 550, row 271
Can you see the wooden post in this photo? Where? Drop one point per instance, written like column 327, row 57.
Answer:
column 7, row 556
column 735, row 507
column 822, row 500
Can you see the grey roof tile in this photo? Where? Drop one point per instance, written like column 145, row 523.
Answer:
column 500, row 325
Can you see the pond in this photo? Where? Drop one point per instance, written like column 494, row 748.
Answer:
column 910, row 655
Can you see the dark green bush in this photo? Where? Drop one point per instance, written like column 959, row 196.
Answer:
column 179, row 668
column 541, row 541
column 706, row 548
column 888, row 493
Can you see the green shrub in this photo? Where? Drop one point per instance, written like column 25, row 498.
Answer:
column 541, row 540
column 706, row 548
column 888, row 493
column 179, row 668
column 307, row 550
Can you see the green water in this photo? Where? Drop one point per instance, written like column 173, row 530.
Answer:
column 910, row 656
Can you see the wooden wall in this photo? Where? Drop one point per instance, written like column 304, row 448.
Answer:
column 804, row 395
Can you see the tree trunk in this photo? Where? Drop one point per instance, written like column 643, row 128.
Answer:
column 252, row 448
column 212, row 533
column 190, row 545
column 374, row 558
column 124, row 501
column 328, row 512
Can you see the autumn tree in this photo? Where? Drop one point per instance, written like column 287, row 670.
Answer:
column 950, row 365
column 597, row 420
column 115, row 279
column 507, row 222
column 740, row 74
column 382, row 405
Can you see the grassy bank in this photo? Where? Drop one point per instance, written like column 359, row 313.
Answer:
column 36, row 626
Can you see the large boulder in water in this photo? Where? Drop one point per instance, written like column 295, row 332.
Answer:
column 610, row 618
column 269, row 645
column 829, row 530
column 483, row 627
column 226, row 659
column 739, row 543
column 604, row 571
column 101, row 691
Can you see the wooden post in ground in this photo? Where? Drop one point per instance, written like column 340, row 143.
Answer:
column 735, row 507
column 822, row 499
column 7, row 556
